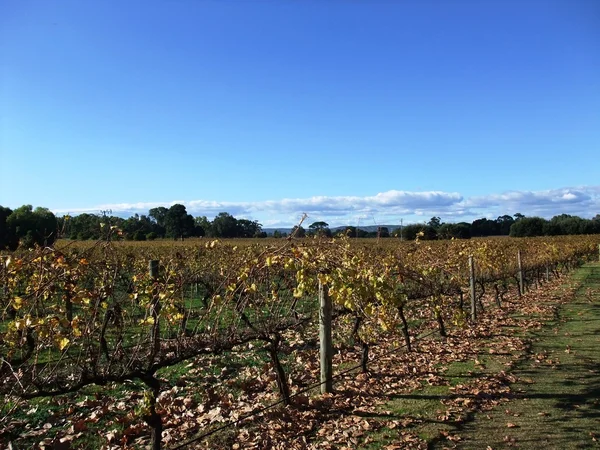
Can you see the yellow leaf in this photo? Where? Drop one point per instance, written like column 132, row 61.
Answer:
column 62, row 343
column 17, row 302
column 148, row 320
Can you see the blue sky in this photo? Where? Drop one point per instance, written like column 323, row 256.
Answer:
column 346, row 110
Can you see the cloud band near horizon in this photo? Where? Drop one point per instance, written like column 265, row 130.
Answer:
column 383, row 208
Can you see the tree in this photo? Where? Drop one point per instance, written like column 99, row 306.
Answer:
column 28, row 227
column 178, row 223
column 484, row 227
column 461, row 230
column 435, row 222
column 249, row 228
column 224, row 226
column 137, row 226
column 203, row 224
column 159, row 215
column 383, row 232
column 503, row 224
column 4, row 233
column 354, row 232
column 528, row 227
column 298, row 231
column 84, row 226
column 320, row 229
column 424, row 232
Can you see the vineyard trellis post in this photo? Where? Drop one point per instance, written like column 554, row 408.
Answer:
column 152, row 418
column 521, row 285
column 326, row 347
column 472, row 289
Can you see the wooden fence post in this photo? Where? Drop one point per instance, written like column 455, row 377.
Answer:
column 153, row 266
column 472, row 289
column 153, row 418
column 521, row 286
column 326, row 348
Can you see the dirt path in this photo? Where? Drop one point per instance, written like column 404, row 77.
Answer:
column 557, row 401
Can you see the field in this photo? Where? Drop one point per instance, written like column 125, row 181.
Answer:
column 103, row 349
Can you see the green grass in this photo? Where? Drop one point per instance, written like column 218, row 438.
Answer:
column 554, row 404
column 558, row 399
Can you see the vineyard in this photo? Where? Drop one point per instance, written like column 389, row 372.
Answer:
column 120, row 314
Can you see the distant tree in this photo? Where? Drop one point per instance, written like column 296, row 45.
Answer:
column 528, row 227
column 248, row 228
column 518, row 216
column 137, row 225
column 84, row 226
column 424, row 232
column 435, row 222
column 383, row 232
column 277, row 234
column 320, row 229
column 159, row 215
column 298, row 231
column 461, row 230
column 503, row 224
column 484, row 227
column 202, row 223
column 178, row 223
column 4, row 233
column 224, row 226
column 28, row 227
column 354, row 232
column 589, row 227
column 139, row 236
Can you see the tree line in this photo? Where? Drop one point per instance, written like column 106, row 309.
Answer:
column 517, row 225
column 27, row 227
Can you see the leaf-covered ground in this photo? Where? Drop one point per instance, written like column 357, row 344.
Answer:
column 526, row 374
column 555, row 402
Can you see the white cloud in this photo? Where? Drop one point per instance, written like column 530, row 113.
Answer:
column 385, row 207
column 583, row 201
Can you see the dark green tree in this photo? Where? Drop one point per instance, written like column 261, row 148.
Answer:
column 383, row 232
column 435, row 222
column 4, row 233
column 461, row 230
column 298, row 231
column 484, row 227
column 203, row 226
column 28, row 227
column 528, row 227
column 248, row 228
column 319, row 229
column 224, row 226
column 178, row 223
column 353, row 232
column 138, row 227
column 83, row 226
column 424, row 232
column 159, row 215
column 503, row 224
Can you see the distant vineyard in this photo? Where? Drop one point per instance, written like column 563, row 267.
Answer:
column 76, row 315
